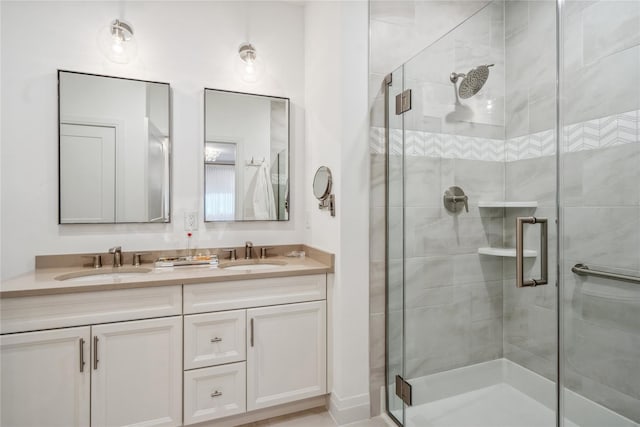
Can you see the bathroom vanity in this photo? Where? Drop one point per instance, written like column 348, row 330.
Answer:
column 171, row 347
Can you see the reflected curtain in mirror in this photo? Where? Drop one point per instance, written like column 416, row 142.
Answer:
column 247, row 152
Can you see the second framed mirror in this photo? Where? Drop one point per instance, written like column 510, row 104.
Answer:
column 246, row 157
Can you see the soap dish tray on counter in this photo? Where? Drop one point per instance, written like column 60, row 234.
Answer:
column 211, row 260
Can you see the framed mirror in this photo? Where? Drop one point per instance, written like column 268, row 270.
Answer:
column 246, row 157
column 114, row 149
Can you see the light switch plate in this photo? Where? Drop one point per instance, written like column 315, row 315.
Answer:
column 190, row 221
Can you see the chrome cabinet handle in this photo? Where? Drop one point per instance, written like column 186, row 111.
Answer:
column 252, row 332
column 544, row 256
column 216, row 339
column 82, row 355
column 216, row 394
column 95, row 353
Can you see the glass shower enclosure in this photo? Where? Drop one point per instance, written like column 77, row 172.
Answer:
column 513, row 220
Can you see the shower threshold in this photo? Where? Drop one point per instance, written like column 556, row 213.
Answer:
column 499, row 393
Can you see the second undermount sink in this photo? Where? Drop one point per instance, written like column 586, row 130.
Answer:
column 108, row 274
column 251, row 265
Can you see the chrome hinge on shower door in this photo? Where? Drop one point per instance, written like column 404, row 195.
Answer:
column 403, row 390
column 403, row 102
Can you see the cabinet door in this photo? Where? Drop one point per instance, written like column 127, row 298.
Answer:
column 43, row 380
column 286, row 353
column 137, row 373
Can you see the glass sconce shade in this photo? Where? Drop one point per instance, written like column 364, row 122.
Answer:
column 248, row 66
column 116, row 42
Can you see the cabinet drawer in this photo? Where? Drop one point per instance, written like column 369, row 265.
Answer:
column 86, row 308
column 214, row 338
column 231, row 295
column 211, row 393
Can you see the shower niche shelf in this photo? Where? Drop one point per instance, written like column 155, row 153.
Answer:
column 506, row 204
column 506, row 252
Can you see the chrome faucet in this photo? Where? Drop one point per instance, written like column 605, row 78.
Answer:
column 117, row 255
column 248, row 247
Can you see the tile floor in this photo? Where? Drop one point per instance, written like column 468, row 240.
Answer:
column 318, row 417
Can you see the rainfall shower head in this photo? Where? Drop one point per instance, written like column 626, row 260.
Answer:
column 472, row 82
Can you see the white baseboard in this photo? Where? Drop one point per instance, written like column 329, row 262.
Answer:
column 350, row 409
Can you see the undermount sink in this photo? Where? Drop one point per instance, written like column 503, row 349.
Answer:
column 251, row 265
column 98, row 274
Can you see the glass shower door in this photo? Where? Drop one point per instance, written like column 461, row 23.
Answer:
column 477, row 349
column 600, row 211
column 395, row 246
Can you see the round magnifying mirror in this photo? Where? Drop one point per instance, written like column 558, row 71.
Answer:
column 322, row 183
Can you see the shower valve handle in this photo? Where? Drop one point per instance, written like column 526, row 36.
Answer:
column 463, row 199
column 452, row 197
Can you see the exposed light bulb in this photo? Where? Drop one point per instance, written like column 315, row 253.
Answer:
column 117, row 45
column 116, row 42
column 249, row 67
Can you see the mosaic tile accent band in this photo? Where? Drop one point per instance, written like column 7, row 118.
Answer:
column 605, row 132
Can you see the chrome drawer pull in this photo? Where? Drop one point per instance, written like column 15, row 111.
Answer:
column 216, row 394
column 216, row 339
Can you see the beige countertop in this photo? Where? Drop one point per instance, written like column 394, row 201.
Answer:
column 43, row 282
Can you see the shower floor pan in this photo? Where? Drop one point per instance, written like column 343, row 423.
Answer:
column 499, row 393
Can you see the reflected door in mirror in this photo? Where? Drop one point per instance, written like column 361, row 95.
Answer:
column 88, row 177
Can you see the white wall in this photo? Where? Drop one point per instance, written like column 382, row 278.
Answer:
column 195, row 51
column 336, row 99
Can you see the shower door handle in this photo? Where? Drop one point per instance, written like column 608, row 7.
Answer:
column 544, row 256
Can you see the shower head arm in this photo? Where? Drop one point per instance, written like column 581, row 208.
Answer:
column 455, row 76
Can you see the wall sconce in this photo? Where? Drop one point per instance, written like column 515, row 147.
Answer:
column 249, row 66
column 116, row 42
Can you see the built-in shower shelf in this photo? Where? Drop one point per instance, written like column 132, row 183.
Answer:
column 506, row 252
column 505, row 204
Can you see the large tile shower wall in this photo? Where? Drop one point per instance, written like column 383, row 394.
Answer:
column 600, row 201
column 530, row 320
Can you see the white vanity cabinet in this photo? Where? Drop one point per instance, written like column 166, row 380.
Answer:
column 44, row 381
column 286, row 353
column 253, row 344
column 118, row 357
column 125, row 373
column 111, row 371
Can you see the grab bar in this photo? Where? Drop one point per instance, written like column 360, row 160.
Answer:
column 544, row 257
column 583, row 270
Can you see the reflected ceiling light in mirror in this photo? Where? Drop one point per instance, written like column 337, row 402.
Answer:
column 116, row 42
column 249, row 66
column 211, row 154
